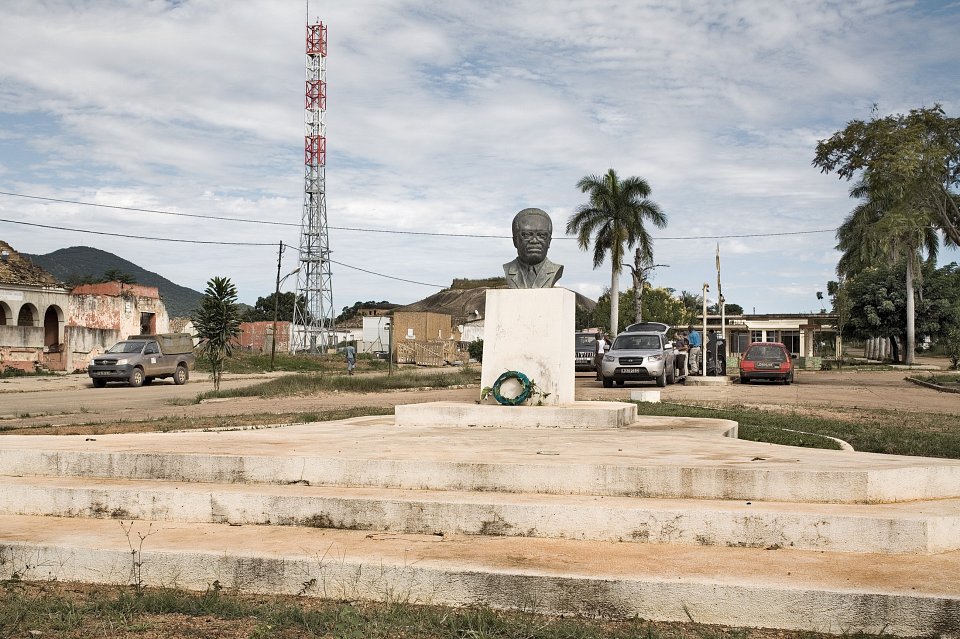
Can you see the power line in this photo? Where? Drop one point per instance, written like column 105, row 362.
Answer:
column 399, row 279
column 138, row 237
column 383, row 231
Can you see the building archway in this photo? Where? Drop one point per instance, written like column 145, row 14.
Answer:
column 51, row 328
column 28, row 315
column 6, row 314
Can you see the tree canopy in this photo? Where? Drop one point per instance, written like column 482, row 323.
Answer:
column 613, row 220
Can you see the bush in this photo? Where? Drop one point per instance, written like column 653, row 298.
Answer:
column 475, row 348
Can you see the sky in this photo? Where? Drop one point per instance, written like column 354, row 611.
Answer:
column 448, row 117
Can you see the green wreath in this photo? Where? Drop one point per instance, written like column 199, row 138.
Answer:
column 519, row 399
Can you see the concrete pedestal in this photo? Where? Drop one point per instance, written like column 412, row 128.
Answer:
column 531, row 331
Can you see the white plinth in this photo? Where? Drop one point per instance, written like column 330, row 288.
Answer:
column 645, row 396
column 530, row 331
column 575, row 415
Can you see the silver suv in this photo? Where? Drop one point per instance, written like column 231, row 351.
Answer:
column 641, row 353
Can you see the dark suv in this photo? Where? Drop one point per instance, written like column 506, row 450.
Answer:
column 586, row 349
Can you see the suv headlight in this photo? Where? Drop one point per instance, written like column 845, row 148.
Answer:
column 655, row 358
column 608, row 358
column 122, row 362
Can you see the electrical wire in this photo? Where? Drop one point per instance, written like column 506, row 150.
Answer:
column 138, row 237
column 384, row 231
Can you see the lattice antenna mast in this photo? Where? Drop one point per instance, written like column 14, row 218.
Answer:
column 313, row 316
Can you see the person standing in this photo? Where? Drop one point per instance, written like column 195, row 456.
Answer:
column 696, row 350
column 683, row 352
column 598, row 356
column 351, row 354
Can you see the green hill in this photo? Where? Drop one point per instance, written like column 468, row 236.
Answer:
column 74, row 264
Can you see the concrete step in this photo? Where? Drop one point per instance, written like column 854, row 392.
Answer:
column 655, row 457
column 914, row 527
column 791, row 589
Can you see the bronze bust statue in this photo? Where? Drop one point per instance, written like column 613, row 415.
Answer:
column 532, row 232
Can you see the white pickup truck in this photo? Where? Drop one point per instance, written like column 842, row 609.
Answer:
column 140, row 359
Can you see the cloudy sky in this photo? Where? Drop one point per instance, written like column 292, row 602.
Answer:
column 448, row 117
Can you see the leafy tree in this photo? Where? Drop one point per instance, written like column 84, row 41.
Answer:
column 218, row 324
column 915, row 155
column 663, row 306
column 907, row 169
column 613, row 220
column 884, row 227
column 475, row 349
column 352, row 311
column 262, row 311
column 693, row 302
column 116, row 275
column 877, row 298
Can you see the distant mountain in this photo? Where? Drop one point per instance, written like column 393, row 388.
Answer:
column 71, row 265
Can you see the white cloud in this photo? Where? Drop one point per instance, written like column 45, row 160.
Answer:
column 451, row 117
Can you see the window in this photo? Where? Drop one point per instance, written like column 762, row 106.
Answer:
column 756, row 336
column 791, row 340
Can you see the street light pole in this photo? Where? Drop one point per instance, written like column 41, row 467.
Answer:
column 276, row 309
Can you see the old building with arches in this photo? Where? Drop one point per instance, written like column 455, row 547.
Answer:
column 44, row 324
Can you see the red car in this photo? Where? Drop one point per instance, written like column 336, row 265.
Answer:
column 766, row 360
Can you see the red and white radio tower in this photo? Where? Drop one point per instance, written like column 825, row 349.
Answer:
column 313, row 316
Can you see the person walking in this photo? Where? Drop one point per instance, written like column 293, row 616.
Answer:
column 351, row 354
column 598, row 356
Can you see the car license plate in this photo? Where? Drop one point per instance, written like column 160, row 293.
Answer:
column 101, row 373
column 767, row 365
column 628, row 371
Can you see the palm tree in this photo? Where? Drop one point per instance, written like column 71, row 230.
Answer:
column 613, row 220
column 217, row 323
column 887, row 228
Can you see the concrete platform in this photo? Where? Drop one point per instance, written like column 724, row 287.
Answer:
column 904, row 528
column 827, row 592
column 656, row 518
column 573, row 415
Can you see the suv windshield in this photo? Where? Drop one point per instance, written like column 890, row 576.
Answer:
column 126, row 347
column 637, row 343
column 586, row 342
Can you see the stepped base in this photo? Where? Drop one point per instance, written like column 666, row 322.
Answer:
column 912, row 527
column 573, row 415
column 827, row 592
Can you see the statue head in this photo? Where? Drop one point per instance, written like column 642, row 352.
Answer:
column 532, row 232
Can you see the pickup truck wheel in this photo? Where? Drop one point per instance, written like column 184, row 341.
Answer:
column 136, row 377
column 672, row 377
column 662, row 380
column 99, row 383
column 181, row 375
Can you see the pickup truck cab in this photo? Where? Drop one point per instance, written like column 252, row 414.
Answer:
column 140, row 359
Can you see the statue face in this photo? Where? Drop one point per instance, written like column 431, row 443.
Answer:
column 532, row 239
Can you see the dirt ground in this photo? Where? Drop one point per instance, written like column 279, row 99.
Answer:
column 71, row 399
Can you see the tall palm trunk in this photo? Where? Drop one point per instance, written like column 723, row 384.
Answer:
column 614, row 302
column 910, row 347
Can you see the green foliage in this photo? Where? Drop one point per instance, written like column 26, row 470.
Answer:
column 263, row 310
column 951, row 344
column 659, row 305
column 613, row 220
column 913, row 157
column 218, row 325
column 877, row 302
column 352, row 311
column 475, row 348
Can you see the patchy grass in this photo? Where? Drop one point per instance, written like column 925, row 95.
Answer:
column 168, row 424
column 74, row 611
column 310, row 384
column 890, row 432
column 246, row 362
